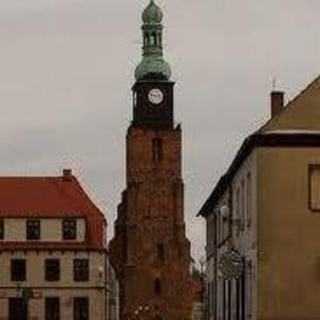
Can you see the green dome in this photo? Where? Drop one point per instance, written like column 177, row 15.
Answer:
column 153, row 67
column 152, row 14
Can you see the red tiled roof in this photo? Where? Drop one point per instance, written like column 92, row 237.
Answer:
column 51, row 197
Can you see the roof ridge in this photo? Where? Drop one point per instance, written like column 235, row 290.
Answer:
column 92, row 204
column 289, row 104
column 30, row 177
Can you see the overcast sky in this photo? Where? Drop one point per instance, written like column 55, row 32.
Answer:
column 66, row 69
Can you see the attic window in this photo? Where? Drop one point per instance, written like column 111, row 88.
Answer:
column 69, row 229
column 33, row 230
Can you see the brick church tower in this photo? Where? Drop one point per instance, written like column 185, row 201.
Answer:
column 150, row 250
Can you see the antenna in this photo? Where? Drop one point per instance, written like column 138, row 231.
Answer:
column 274, row 83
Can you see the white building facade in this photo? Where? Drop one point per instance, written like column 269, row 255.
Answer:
column 53, row 256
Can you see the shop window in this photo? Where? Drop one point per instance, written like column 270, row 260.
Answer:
column 52, row 308
column 81, row 308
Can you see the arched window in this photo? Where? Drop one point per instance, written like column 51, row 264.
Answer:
column 161, row 253
column 148, row 39
column 157, row 150
column 153, row 39
column 157, row 286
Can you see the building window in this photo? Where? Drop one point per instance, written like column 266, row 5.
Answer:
column 157, row 150
column 18, row 309
column 243, row 295
column 238, row 299
column 208, row 299
column 314, row 187
column 243, row 204
column 249, row 288
column 1, row 229
column 52, row 269
column 157, row 287
column 69, row 229
column 81, row 270
column 81, row 308
column 229, row 300
column 224, row 302
column 33, row 230
column 18, row 270
column 161, row 253
column 249, row 200
column 238, row 211
column 52, row 308
column 135, row 99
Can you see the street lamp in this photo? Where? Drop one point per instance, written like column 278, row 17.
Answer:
column 141, row 311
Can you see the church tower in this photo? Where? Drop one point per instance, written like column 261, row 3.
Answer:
column 150, row 251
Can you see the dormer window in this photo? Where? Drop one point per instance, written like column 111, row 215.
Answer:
column 69, row 229
column 33, row 230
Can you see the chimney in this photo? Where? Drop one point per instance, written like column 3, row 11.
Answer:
column 277, row 102
column 67, row 174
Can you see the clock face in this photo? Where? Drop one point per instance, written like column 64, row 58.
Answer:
column 155, row 96
column 231, row 265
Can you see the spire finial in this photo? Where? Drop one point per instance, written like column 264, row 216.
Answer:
column 153, row 64
column 152, row 14
column 274, row 83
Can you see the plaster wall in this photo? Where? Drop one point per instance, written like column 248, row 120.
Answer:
column 289, row 241
column 66, row 289
column 51, row 230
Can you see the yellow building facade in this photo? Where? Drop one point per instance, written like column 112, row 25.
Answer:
column 266, row 209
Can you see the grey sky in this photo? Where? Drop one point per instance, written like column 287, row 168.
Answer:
column 66, row 68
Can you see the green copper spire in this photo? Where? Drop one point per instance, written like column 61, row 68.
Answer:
column 153, row 66
column 152, row 14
